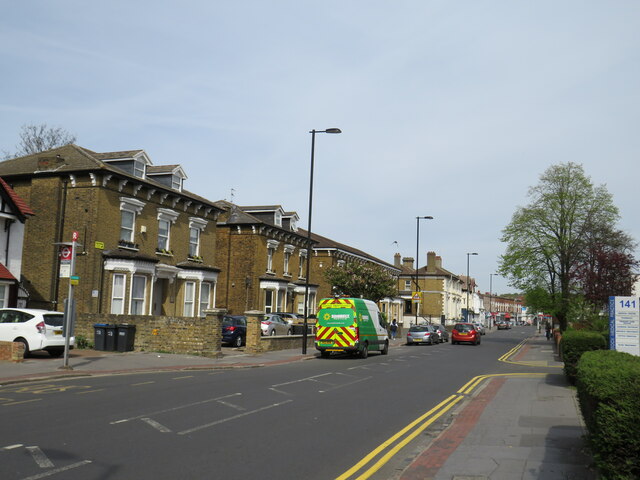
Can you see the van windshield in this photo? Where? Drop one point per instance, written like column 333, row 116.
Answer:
column 336, row 317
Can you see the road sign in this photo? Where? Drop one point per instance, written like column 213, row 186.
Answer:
column 75, row 279
column 65, row 254
column 75, row 236
column 416, row 297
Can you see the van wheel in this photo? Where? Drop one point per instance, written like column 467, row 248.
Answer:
column 385, row 350
column 364, row 353
column 325, row 354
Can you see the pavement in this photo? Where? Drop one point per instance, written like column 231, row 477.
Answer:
column 525, row 425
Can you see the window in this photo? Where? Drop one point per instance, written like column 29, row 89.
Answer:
column 407, row 284
column 287, row 256
column 138, row 168
column 194, row 242
column 272, row 245
column 117, row 294
column 138, row 293
column 163, row 235
column 189, row 297
column 166, row 218
column 268, row 301
column 196, row 226
column 129, row 207
column 278, row 218
column 301, row 267
column 127, row 225
column 3, row 295
column 205, row 295
column 176, row 182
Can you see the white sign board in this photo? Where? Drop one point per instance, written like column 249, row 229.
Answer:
column 624, row 324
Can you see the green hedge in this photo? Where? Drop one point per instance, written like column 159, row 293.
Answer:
column 573, row 344
column 608, row 384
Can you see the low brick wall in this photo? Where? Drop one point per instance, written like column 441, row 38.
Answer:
column 181, row 335
column 11, row 352
column 284, row 343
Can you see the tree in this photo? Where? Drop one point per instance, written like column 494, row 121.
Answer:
column 361, row 280
column 550, row 238
column 38, row 138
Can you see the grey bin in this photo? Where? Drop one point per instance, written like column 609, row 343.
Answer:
column 111, row 338
column 126, row 337
column 99, row 336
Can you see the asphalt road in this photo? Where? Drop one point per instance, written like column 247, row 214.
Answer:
column 307, row 420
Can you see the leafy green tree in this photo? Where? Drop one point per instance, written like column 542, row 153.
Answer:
column 361, row 280
column 550, row 238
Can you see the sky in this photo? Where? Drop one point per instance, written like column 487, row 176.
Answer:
column 450, row 109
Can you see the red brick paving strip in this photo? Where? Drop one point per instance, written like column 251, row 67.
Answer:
column 431, row 460
column 521, row 353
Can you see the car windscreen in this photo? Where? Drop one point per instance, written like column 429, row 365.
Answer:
column 336, row 317
column 53, row 319
column 419, row 328
column 462, row 327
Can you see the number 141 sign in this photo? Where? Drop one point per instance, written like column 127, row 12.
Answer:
column 624, row 324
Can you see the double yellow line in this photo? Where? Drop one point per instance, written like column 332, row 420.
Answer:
column 505, row 358
column 385, row 451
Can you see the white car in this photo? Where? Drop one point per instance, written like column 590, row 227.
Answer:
column 36, row 329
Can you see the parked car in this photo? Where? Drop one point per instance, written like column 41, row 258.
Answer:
column 422, row 334
column 234, row 330
column 442, row 332
column 275, row 325
column 480, row 328
column 465, row 332
column 36, row 329
column 290, row 318
column 503, row 325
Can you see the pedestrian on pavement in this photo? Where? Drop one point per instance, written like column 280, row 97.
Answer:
column 394, row 329
column 548, row 331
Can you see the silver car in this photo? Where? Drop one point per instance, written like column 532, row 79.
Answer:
column 422, row 334
column 442, row 332
column 480, row 328
column 274, row 325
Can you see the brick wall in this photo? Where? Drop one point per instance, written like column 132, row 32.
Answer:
column 11, row 352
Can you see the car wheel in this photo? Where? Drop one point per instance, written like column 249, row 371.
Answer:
column 56, row 352
column 273, row 332
column 364, row 353
column 238, row 341
column 385, row 350
column 26, row 346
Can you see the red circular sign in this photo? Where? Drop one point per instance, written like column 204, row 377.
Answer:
column 75, row 236
column 65, row 253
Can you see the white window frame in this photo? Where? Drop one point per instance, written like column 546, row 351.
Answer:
column 133, row 206
column 301, row 265
column 196, row 224
column 4, row 294
column 169, row 216
column 407, row 284
column 205, row 305
column 272, row 246
column 268, row 300
column 189, row 302
column 137, row 171
column 118, row 298
column 141, row 301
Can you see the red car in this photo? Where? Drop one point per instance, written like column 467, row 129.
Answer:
column 465, row 332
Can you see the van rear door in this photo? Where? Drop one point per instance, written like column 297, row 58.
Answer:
column 336, row 329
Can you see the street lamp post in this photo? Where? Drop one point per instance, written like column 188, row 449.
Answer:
column 468, row 282
column 491, row 297
column 418, row 258
column 306, row 283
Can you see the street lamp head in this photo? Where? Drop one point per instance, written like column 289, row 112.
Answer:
column 333, row 130
column 473, row 253
column 425, row 218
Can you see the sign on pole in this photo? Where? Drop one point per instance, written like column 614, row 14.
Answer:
column 624, row 324
column 416, row 297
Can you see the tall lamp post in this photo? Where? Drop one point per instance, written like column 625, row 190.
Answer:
column 468, row 282
column 491, row 297
column 306, row 283
column 418, row 259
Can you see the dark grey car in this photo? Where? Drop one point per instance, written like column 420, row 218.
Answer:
column 422, row 334
column 443, row 333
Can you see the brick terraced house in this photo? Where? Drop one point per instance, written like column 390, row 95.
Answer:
column 262, row 257
column 148, row 246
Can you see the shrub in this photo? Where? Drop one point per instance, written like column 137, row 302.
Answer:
column 608, row 384
column 82, row 342
column 573, row 344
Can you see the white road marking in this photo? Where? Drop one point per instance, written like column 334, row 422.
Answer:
column 182, row 378
column 58, row 470
column 156, row 425
column 217, row 422
column 142, row 383
column 11, row 447
column 335, row 387
column 174, row 408
column 306, row 379
column 90, row 391
column 39, row 457
column 229, row 404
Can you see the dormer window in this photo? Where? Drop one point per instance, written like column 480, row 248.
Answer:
column 171, row 176
column 277, row 219
column 132, row 162
column 176, row 182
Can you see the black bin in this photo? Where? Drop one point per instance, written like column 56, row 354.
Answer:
column 111, row 338
column 126, row 337
column 99, row 336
